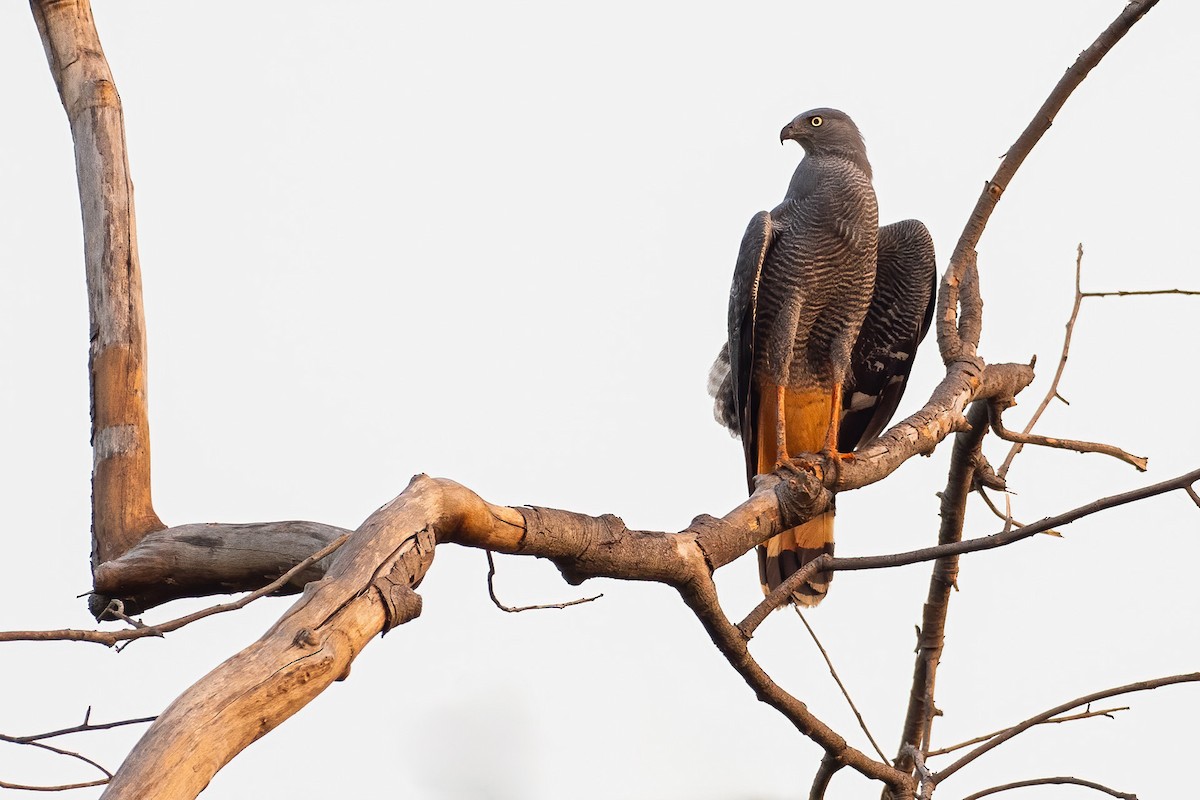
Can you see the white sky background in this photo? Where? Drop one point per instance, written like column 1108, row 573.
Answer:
column 493, row 242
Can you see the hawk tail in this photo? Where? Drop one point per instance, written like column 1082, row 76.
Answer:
column 784, row 554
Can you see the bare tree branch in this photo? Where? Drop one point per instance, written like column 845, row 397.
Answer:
column 1052, row 392
column 918, row 719
column 1105, row 712
column 84, row 727
column 1142, row 293
column 957, row 339
column 700, row 595
column 122, row 511
column 1192, row 494
column 1021, row 727
column 1063, row 444
column 111, row 638
column 517, row 609
column 24, row 787
column 1048, row 781
column 828, row 563
column 1005, row 515
column 828, row 768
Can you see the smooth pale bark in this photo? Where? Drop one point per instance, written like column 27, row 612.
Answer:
column 368, row 590
column 122, row 512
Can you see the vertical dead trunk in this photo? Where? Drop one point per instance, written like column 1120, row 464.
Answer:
column 122, row 512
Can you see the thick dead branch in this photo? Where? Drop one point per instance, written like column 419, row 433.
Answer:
column 368, row 590
column 1021, row 727
column 141, row 630
column 957, row 339
column 206, row 559
column 1048, row 781
column 918, row 719
column 122, row 512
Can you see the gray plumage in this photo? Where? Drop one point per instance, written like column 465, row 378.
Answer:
column 825, row 307
column 900, row 314
column 805, row 273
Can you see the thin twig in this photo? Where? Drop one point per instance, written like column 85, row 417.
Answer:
column 111, row 638
column 1142, row 293
column 1064, row 444
column 1106, row 712
column 1021, row 727
column 61, row 788
column 827, row 563
column 1052, row 392
column 926, row 780
column 845, row 693
column 85, row 727
column 1006, row 516
column 1047, row 781
column 953, row 344
column 62, row 752
column 518, row 609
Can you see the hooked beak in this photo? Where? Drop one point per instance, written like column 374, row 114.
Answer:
column 789, row 132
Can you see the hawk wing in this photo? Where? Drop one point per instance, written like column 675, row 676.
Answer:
column 730, row 380
column 899, row 317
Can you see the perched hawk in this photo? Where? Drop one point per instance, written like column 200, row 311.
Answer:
column 825, row 313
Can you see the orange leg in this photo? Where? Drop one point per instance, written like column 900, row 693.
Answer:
column 781, row 454
column 835, row 422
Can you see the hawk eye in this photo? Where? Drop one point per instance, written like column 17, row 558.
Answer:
column 816, row 122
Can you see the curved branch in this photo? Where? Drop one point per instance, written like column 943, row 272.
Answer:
column 1021, row 727
column 1048, row 781
column 1063, row 444
column 958, row 339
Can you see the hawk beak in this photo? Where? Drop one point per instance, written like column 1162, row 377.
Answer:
column 788, row 132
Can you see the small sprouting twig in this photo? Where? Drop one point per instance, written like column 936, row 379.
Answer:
column 111, row 638
column 84, row 727
column 1006, row 515
column 845, row 693
column 1104, row 712
column 1065, row 444
column 491, row 576
column 926, row 780
column 1046, row 781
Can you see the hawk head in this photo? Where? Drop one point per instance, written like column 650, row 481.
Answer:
column 825, row 131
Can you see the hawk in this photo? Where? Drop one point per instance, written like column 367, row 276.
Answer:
column 825, row 314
